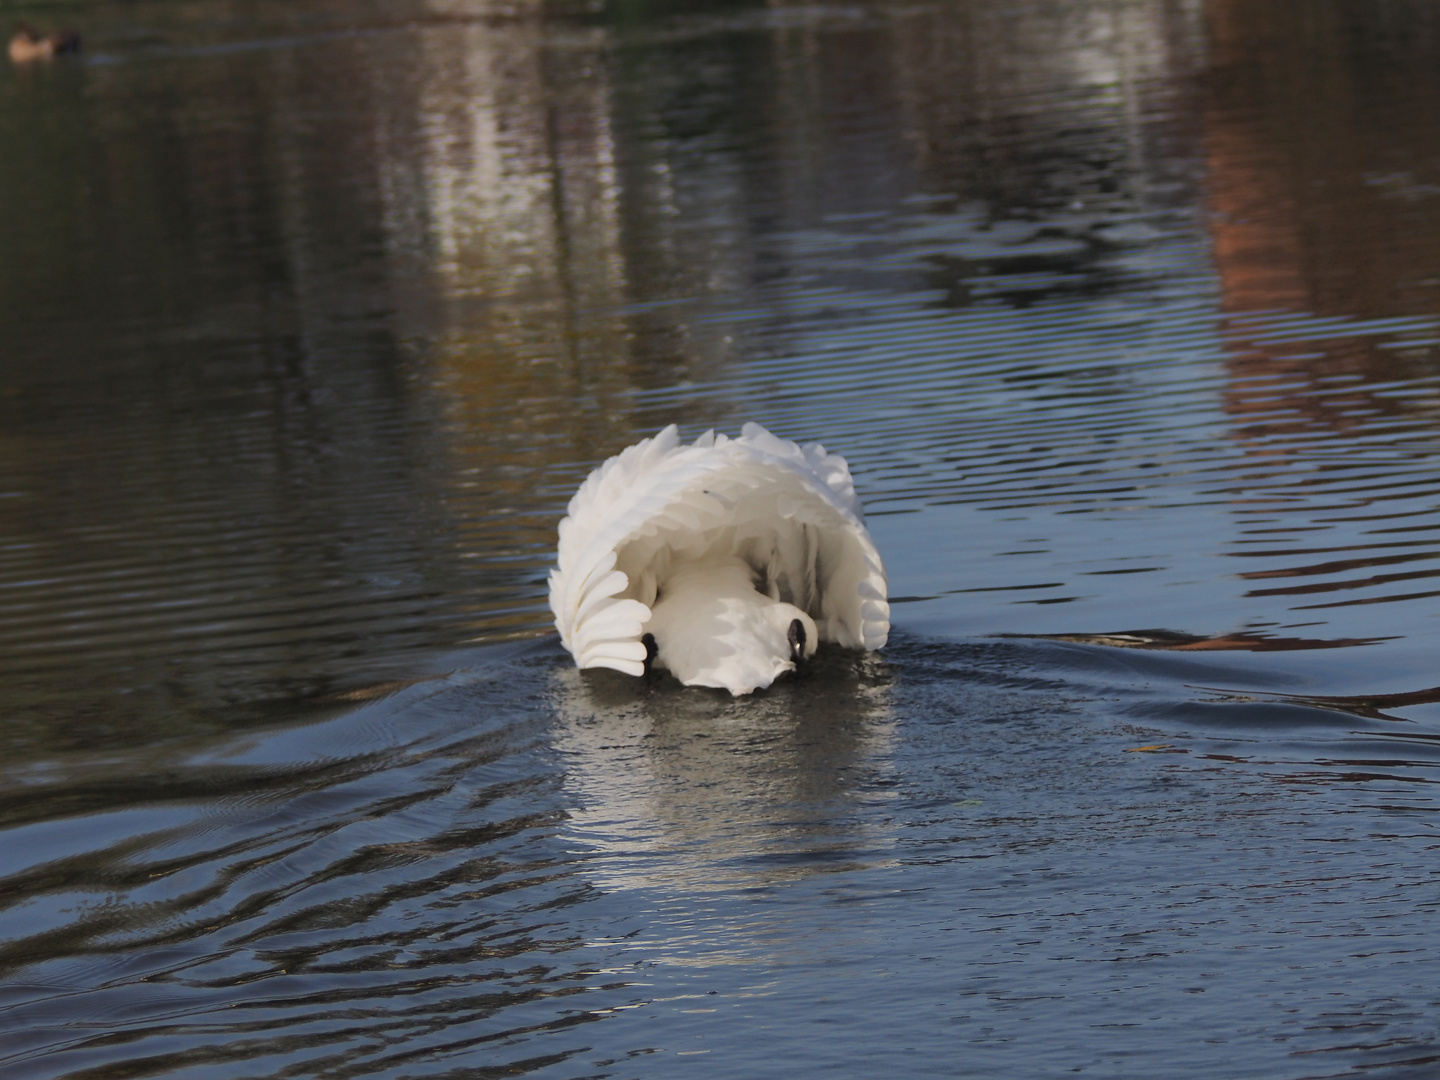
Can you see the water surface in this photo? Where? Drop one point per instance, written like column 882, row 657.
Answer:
column 1126, row 317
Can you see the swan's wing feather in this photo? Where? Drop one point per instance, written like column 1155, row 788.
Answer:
column 628, row 667
column 831, row 469
column 641, row 487
column 605, row 485
column 618, row 621
column 852, row 586
column 612, row 638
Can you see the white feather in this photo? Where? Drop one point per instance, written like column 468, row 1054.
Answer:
column 717, row 546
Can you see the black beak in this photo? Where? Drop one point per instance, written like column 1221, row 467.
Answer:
column 651, row 649
column 796, row 635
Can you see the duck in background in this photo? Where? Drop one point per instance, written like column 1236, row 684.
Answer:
column 27, row 46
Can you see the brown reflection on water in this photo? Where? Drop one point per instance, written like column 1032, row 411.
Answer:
column 1321, row 133
column 504, row 170
column 1243, row 641
column 1321, row 137
column 1322, row 126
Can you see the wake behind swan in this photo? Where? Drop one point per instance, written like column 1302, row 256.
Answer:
column 725, row 561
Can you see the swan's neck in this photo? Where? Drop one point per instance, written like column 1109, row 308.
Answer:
column 712, row 627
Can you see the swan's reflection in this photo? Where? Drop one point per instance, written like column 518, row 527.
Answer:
column 692, row 788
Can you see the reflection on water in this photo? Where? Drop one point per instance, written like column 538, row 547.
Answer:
column 1126, row 317
column 703, row 791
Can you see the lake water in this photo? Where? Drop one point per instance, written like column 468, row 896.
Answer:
column 1127, row 318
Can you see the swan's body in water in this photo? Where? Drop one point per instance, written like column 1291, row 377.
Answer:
column 726, row 561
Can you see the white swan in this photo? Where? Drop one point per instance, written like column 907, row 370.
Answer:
column 725, row 561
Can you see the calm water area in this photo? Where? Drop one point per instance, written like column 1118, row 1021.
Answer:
column 1127, row 317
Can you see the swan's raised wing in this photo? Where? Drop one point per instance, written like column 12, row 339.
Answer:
column 821, row 554
column 789, row 511
column 830, row 469
column 638, row 489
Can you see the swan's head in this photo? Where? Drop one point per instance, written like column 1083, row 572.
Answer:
column 799, row 628
column 710, row 626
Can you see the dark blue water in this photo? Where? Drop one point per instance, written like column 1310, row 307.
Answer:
column 1127, row 318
